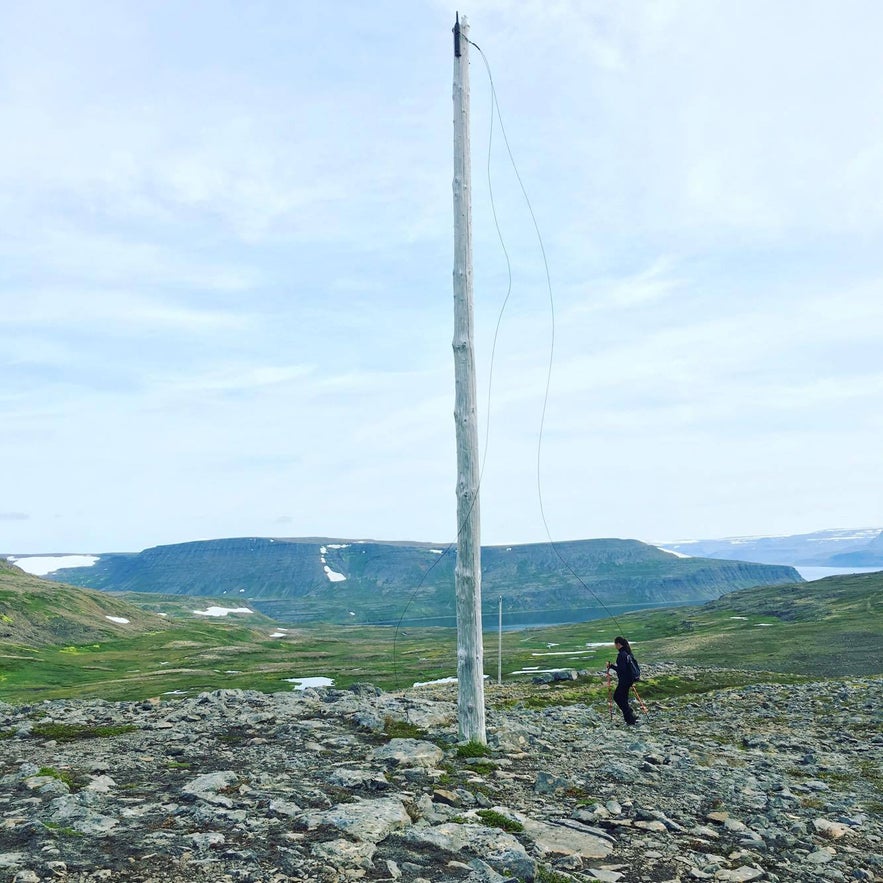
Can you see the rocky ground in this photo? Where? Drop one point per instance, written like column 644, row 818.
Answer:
column 769, row 782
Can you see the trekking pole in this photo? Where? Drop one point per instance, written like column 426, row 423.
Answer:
column 609, row 697
column 640, row 700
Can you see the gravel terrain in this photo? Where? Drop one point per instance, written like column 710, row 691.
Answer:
column 768, row 782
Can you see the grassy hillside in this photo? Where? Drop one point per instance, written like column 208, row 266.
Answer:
column 35, row 612
column 826, row 628
column 299, row 581
column 832, row 626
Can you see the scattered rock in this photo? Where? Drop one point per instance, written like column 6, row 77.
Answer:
column 409, row 753
column 241, row 787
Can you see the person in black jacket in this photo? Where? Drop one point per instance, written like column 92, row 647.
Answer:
column 624, row 679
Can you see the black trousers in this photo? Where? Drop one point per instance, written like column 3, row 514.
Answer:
column 621, row 698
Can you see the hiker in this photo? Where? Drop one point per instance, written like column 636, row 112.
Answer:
column 624, row 679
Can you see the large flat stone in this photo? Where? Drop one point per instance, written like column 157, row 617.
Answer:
column 366, row 820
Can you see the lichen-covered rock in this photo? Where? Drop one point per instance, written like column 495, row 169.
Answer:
column 366, row 820
column 408, row 753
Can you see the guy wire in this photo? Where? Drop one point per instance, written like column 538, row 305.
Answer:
column 536, row 226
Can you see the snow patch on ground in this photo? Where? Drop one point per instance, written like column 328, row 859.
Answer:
column 535, row 671
column 118, row 619
column 303, row 683
column 222, row 611
column 433, row 683
column 451, row 680
column 333, row 575
column 564, row 653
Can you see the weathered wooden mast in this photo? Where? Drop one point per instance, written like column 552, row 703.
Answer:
column 467, row 573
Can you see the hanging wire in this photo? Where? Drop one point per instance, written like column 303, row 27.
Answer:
column 496, row 113
column 548, row 274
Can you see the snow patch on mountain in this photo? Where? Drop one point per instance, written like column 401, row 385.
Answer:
column 40, row 565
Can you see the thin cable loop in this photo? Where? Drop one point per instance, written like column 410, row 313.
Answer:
column 495, row 110
column 539, row 235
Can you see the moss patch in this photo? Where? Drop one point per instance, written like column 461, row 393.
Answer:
column 73, row 732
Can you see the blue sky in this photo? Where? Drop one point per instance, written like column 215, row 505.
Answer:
column 226, row 254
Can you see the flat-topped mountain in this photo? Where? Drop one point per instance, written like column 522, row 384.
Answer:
column 301, row 580
column 859, row 547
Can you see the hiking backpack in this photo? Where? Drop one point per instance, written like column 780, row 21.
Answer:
column 634, row 668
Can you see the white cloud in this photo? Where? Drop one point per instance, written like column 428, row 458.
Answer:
column 226, row 379
column 98, row 308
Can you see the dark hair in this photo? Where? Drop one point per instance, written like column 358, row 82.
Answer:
column 625, row 644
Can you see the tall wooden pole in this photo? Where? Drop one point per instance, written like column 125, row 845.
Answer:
column 467, row 573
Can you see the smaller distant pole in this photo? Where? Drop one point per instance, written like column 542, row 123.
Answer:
column 500, row 641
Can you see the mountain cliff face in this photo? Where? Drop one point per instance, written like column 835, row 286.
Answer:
column 299, row 580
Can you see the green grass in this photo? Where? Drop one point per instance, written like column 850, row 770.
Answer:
column 62, row 775
column 398, row 729
column 473, row 749
column 196, row 657
column 494, row 819
column 545, row 874
column 483, row 769
column 65, row 831
column 180, row 655
column 75, row 732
